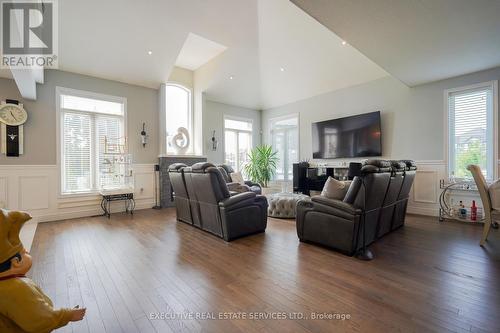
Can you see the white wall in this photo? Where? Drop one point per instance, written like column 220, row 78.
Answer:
column 412, row 118
column 213, row 119
column 412, row 124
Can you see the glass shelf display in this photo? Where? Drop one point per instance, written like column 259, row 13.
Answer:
column 449, row 201
column 116, row 171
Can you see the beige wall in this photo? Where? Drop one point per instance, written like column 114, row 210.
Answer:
column 40, row 129
column 213, row 119
column 182, row 76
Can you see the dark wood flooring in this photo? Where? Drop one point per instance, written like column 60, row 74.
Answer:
column 426, row 277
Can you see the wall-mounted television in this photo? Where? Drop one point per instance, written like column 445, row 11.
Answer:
column 354, row 136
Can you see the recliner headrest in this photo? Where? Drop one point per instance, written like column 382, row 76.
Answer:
column 201, row 166
column 410, row 165
column 229, row 169
column 224, row 173
column 398, row 166
column 176, row 167
column 375, row 166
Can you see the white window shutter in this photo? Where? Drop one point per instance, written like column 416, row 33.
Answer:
column 471, row 131
column 77, row 152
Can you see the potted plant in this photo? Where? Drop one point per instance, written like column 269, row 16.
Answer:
column 261, row 164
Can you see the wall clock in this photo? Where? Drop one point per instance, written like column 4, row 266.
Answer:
column 12, row 118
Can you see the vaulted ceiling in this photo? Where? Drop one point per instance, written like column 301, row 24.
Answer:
column 111, row 39
column 273, row 52
column 417, row 41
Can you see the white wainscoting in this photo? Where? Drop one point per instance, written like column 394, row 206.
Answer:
column 424, row 196
column 34, row 188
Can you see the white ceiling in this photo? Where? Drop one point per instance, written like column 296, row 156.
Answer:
column 111, row 39
column 417, row 41
column 313, row 58
column 413, row 40
column 197, row 51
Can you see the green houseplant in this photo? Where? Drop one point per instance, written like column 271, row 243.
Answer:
column 261, row 164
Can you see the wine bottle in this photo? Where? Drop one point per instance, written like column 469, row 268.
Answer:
column 473, row 211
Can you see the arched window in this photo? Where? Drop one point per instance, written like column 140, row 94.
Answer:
column 179, row 111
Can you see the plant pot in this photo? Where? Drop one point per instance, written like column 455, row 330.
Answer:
column 271, row 190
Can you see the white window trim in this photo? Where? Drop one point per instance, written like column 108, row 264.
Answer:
column 237, row 118
column 163, row 118
column 285, row 117
column 494, row 86
column 85, row 94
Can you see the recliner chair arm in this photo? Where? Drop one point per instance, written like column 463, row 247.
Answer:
column 250, row 183
column 237, row 187
column 343, row 206
column 235, row 199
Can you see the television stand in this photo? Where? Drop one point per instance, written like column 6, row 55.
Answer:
column 313, row 178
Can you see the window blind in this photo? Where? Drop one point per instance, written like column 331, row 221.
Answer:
column 471, row 131
column 85, row 122
column 77, row 152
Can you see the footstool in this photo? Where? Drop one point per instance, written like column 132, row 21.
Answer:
column 284, row 205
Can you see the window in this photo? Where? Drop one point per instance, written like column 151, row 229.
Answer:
column 178, row 111
column 285, row 140
column 237, row 142
column 471, row 130
column 85, row 120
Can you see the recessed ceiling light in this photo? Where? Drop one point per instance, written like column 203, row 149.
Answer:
column 282, row 69
column 231, row 77
column 344, row 43
column 150, row 52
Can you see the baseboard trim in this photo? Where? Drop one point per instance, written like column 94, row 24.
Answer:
column 86, row 213
column 423, row 211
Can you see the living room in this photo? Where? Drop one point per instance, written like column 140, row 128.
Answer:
column 249, row 165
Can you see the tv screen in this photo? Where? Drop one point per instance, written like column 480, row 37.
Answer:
column 355, row 136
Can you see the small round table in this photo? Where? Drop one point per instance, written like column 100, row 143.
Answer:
column 284, row 205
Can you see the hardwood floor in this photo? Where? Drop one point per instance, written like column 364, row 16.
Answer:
column 426, row 277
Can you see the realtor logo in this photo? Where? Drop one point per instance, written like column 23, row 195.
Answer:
column 29, row 33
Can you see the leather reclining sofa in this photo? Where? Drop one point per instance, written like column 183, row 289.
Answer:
column 202, row 199
column 336, row 223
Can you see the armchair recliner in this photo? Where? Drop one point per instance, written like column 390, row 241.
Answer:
column 227, row 170
column 213, row 209
column 336, row 223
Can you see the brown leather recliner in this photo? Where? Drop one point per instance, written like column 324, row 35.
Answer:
column 213, row 209
column 336, row 223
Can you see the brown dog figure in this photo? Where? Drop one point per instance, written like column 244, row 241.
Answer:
column 23, row 305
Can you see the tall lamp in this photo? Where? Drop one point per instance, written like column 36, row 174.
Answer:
column 157, row 174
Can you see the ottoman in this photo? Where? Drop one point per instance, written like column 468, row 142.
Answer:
column 283, row 205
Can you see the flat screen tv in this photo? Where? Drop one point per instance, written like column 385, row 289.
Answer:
column 355, row 136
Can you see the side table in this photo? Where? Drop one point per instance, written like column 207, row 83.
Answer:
column 109, row 196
